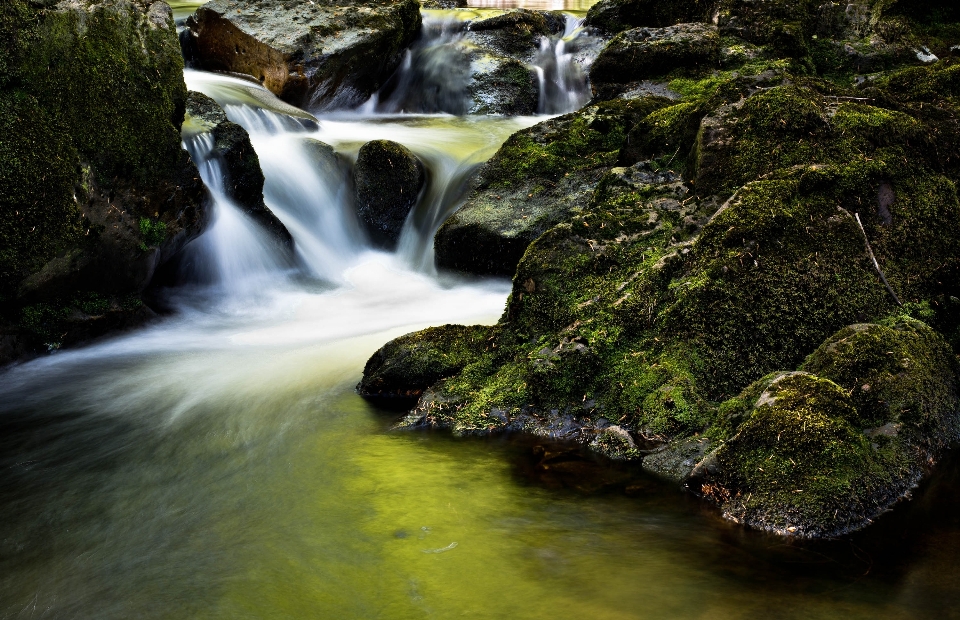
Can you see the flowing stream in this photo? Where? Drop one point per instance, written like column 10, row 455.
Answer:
column 218, row 464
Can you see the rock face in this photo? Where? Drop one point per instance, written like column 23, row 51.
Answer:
column 95, row 190
column 538, row 178
column 614, row 16
column 388, row 178
column 312, row 55
column 766, row 303
column 646, row 53
column 243, row 178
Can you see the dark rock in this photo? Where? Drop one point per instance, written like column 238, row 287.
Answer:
column 648, row 53
column 388, row 178
column 401, row 369
column 613, row 16
column 514, row 33
column 310, row 55
column 539, row 177
column 99, row 87
column 243, row 178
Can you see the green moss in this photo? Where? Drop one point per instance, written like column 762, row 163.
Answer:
column 39, row 217
column 125, row 105
column 897, row 372
column 153, row 233
column 797, row 465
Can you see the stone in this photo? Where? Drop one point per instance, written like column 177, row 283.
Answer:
column 614, row 16
column 100, row 86
column 649, row 53
column 243, row 178
column 388, row 178
column 312, row 55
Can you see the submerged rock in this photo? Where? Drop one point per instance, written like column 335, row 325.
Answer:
column 308, row 54
column 388, row 178
column 243, row 178
column 95, row 190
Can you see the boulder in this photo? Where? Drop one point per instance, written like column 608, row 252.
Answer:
column 99, row 87
column 538, row 178
column 647, row 53
column 243, row 178
column 515, row 33
column 614, row 16
column 309, row 54
column 388, row 178
column 401, row 369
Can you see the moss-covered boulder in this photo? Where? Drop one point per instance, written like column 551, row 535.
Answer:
column 647, row 53
column 308, row 54
column 614, row 16
column 538, row 178
column 388, row 178
column 515, row 33
column 404, row 367
column 242, row 177
column 823, row 454
column 776, row 223
column 97, row 191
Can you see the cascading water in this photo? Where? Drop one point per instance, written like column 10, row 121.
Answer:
column 560, row 65
column 234, row 254
column 311, row 193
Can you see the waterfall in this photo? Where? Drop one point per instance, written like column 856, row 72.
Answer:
column 562, row 80
column 234, row 255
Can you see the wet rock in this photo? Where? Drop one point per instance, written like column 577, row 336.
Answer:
column 99, row 124
column 311, row 55
column 539, row 177
column 515, row 33
column 647, row 53
column 804, row 462
column 615, row 443
column 614, row 16
column 677, row 460
column 388, row 178
column 401, row 369
column 243, row 178
column 502, row 85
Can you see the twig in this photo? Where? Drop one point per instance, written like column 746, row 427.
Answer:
column 874, row 259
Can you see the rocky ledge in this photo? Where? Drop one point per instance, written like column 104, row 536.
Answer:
column 312, row 54
column 739, row 267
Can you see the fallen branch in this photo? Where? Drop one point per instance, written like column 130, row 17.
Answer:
column 874, row 259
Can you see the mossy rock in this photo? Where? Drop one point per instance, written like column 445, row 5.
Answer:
column 538, row 178
column 400, row 370
column 614, row 16
column 798, row 466
column 93, row 98
column 388, row 178
column 649, row 53
column 900, row 377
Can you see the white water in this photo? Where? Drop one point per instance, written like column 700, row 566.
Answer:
column 436, row 73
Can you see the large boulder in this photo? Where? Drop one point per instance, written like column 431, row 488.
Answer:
column 614, row 16
column 647, row 53
column 750, row 320
column 95, row 190
column 309, row 54
column 538, row 178
column 388, row 178
column 243, row 179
